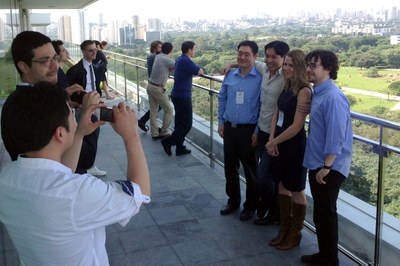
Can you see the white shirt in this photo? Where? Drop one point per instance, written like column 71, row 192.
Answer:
column 56, row 217
column 271, row 89
column 86, row 65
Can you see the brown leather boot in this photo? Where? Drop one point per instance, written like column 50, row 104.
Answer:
column 285, row 211
column 293, row 238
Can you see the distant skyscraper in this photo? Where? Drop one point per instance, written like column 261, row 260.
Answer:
column 153, row 30
column 126, row 35
column 82, row 24
column 65, row 28
column 136, row 25
column 394, row 15
column 154, row 24
column 153, row 36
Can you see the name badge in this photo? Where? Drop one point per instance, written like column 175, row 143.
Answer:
column 281, row 115
column 239, row 97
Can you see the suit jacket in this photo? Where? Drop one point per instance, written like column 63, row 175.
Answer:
column 77, row 75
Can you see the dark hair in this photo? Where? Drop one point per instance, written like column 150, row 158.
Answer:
column 103, row 44
column 56, row 44
column 281, row 48
column 97, row 43
column 23, row 45
column 166, row 48
column 329, row 61
column 186, row 46
column 86, row 43
column 154, row 45
column 251, row 44
column 37, row 112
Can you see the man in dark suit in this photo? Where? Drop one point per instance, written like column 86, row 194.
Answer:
column 84, row 74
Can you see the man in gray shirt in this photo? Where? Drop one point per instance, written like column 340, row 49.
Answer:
column 163, row 64
column 272, row 85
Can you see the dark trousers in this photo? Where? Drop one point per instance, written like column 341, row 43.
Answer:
column 183, row 121
column 238, row 150
column 325, row 215
column 88, row 150
column 266, row 186
column 146, row 116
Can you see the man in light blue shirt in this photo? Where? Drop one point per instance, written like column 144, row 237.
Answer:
column 328, row 152
column 238, row 111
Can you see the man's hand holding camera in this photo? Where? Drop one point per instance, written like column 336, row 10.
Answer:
column 89, row 104
column 125, row 121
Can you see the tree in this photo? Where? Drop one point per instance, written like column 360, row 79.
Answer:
column 393, row 58
column 367, row 60
column 372, row 72
column 395, row 87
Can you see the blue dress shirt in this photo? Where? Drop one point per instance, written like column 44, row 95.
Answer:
column 330, row 129
column 239, row 98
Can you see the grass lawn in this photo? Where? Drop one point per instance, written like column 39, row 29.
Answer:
column 353, row 77
column 366, row 103
column 8, row 77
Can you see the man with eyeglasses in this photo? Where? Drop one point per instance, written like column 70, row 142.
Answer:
column 83, row 73
column 35, row 60
column 328, row 152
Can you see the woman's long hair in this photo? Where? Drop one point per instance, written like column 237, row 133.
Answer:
column 299, row 79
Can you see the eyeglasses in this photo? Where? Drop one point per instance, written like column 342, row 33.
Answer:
column 312, row 66
column 91, row 50
column 46, row 61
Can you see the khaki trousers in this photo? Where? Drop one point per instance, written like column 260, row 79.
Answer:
column 158, row 96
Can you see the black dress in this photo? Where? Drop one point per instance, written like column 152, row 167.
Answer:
column 288, row 165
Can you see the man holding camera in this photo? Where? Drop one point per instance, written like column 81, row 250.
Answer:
column 53, row 215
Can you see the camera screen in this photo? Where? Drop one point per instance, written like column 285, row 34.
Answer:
column 106, row 114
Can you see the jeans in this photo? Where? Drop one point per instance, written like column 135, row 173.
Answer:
column 266, row 185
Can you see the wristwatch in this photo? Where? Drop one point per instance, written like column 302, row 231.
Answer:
column 327, row 167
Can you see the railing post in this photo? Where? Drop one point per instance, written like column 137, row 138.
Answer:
column 137, row 87
column 115, row 74
column 380, row 197
column 125, row 85
column 211, row 152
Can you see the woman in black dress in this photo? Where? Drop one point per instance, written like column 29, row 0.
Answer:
column 287, row 145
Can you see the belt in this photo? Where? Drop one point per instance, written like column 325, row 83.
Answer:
column 158, row 85
column 234, row 125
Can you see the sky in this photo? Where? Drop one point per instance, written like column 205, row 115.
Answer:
column 224, row 9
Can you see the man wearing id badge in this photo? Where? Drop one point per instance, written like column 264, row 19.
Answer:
column 238, row 111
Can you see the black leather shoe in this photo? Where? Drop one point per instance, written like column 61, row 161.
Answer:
column 228, row 208
column 311, row 259
column 143, row 126
column 246, row 215
column 317, row 260
column 160, row 137
column 262, row 212
column 262, row 221
column 167, row 147
column 183, row 152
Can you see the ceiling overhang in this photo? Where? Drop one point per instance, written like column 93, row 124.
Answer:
column 45, row 4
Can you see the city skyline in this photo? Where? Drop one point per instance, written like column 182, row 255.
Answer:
column 212, row 10
column 219, row 10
